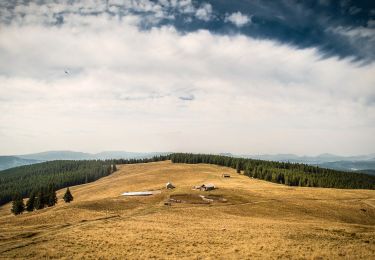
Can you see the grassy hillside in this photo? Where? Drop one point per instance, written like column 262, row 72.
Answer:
column 259, row 220
column 23, row 180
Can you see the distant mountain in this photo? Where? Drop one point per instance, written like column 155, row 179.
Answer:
column 363, row 163
column 226, row 154
column 346, row 163
column 319, row 159
column 124, row 155
column 350, row 165
column 70, row 155
column 7, row 162
column 57, row 155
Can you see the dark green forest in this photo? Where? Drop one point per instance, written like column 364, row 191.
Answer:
column 292, row 174
column 24, row 180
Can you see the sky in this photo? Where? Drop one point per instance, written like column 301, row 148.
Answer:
column 246, row 77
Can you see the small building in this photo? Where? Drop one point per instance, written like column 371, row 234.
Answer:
column 226, row 175
column 169, row 185
column 207, row 187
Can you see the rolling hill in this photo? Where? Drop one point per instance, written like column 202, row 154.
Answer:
column 7, row 162
column 330, row 161
column 319, row 159
column 71, row 155
column 258, row 220
column 350, row 165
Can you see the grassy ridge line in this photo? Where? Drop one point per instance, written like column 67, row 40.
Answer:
column 292, row 174
column 24, row 179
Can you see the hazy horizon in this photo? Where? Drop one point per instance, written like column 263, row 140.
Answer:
column 187, row 76
column 220, row 152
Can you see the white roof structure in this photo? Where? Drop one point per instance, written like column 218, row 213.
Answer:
column 138, row 193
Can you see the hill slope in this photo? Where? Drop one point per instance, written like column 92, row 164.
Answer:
column 7, row 162
column 71, row 155
column 11, row 161
column 259, row 220
column 350, row 165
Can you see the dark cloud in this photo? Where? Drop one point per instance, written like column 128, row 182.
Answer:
column 300, row 23
column 303, row 24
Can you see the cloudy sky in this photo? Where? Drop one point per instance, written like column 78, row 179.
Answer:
column 200, row 76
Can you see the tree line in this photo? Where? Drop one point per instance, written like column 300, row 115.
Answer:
column 292, row 174
column 22, row 181
column 43, row 197
column 142, row 160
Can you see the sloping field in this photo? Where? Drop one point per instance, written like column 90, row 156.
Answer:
column 258, row 219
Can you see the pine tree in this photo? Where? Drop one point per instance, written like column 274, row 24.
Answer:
column 114, row 168
column 30, row 203
column 40, row 200
column 17, row 205
column 68, row 197
column 238, row 167
column 52, row 198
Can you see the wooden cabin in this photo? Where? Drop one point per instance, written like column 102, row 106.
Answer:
column 207, row 187
column 169, row 185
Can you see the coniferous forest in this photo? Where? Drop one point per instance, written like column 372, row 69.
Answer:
column 25, row 181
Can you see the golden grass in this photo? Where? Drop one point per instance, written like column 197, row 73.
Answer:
column 259, row 220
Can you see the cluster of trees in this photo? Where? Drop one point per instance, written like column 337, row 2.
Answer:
column 43, row 197
column 292, row 174
column 142, row 160
column 24, row 180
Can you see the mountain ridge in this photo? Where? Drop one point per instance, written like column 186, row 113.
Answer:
column 326, row 160
column 9, row 161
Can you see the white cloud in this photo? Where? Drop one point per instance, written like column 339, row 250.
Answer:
column 127, row 88
column 238, row 19
column 204, row 12
column 152, row 11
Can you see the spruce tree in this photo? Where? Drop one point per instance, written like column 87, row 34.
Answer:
column 238, row 167
column 114, row 168
column 40, row 200
column 51, row 198
column 68, row 197
column 17, row 205
column 30, row 204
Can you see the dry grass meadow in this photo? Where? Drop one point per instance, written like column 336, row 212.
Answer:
column 259, row 220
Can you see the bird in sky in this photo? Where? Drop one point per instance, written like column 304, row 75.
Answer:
column 66, row 72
